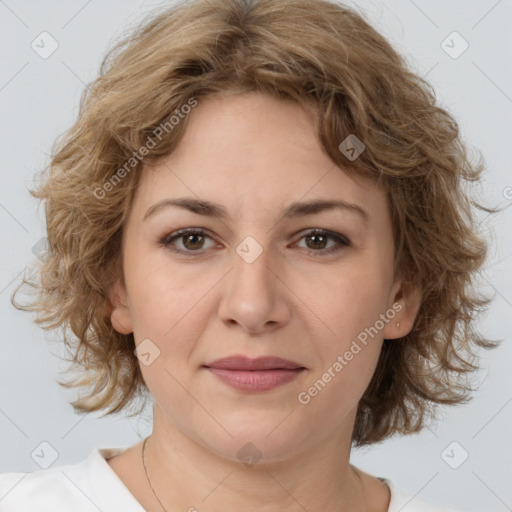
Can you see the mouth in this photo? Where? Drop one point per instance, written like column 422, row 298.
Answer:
column 243, row 363
column 254, row 375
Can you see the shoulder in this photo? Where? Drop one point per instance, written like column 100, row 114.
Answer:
column 86, row 486
column 21, row 491
column 404, row 502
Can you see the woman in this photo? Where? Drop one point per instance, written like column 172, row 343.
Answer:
column 258, row 220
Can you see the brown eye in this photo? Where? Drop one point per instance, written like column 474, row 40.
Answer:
column 317, row 240
column 192, row 240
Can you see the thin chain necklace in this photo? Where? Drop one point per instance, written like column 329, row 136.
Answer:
column 149, row 481
column 145, row 469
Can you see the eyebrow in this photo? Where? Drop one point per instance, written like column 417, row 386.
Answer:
column 294, row 210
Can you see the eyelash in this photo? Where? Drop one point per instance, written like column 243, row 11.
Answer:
column 343, row 241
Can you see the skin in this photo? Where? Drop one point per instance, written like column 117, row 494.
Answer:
column 254, row 155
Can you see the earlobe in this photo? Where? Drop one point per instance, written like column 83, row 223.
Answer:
column 120, row 312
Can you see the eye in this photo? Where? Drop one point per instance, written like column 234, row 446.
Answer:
column 192, row 240
column 318, row 240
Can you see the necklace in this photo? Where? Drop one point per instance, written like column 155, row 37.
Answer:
column 145, row 469
column 149, row 481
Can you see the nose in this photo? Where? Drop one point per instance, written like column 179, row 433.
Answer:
column 254, row 294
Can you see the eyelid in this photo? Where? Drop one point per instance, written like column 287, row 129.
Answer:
column 166, row 240
column 321, row 231
column 342, row 240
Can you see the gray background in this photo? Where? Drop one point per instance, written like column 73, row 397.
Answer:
column 39, row 100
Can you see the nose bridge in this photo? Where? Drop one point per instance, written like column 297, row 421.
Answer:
column 253, row 263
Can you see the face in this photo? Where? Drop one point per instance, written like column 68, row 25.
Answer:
column 257, row 280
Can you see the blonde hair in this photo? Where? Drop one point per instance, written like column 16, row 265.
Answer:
column 307, row 51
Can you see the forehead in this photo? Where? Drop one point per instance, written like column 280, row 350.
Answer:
column 254, row 153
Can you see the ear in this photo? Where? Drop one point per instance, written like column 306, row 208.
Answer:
column 120, row 313
column 405, row 302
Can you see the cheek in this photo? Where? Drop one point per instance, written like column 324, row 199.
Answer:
column 352, row 302
column 172, row 310
column 350, row 348
column 348, row 364
column 163, row 293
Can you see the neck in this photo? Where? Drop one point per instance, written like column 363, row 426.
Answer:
column 185, row 475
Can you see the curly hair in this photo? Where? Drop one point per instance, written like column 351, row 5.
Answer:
column 313, row 52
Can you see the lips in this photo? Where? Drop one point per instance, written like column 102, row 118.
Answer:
column 243, row 363
column 254, row 375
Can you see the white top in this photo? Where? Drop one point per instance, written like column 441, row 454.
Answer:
column 92, row 486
